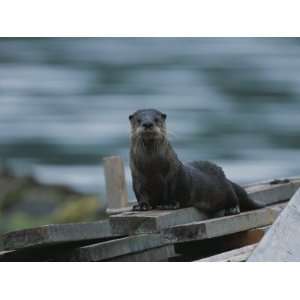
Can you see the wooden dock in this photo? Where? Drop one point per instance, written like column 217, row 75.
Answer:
column 176, row 235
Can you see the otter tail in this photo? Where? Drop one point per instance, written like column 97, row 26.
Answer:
column 246, row 203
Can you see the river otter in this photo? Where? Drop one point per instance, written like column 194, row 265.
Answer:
column 162, row 181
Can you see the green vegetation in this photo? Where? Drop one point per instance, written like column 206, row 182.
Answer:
column 25, row 203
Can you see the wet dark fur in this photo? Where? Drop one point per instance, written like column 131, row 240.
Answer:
column 161, row 180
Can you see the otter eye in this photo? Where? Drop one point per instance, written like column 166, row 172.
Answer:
column 139, row 121
column 156, row 120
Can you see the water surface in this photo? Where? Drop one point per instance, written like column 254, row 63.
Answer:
column 65, row 103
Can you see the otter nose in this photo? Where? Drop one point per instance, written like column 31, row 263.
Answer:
column 148, row 125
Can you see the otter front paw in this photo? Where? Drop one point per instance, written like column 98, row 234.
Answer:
column 169, row 206
column 142, row 206
column 232, row 211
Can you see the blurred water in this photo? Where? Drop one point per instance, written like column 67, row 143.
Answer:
column 65, row 103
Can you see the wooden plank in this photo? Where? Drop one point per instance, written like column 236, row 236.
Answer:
column 116, row 187
column 269, row 193
column 222, row 226
column 156, row 254
column 236, row 255
column 63, row 252
column 118, row 247
column 273, row 181
column 155, row 220
column 282, row 241
column 55, row 234
column 177, row 234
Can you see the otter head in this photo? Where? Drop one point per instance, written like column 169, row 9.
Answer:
column 148, row 125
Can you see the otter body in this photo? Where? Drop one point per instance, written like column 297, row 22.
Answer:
column 161, row 180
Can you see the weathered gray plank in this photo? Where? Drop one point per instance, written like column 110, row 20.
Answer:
column 55, row 234
column 180, row 233
column 118, row 247
column 116, row 187
column 282, row 241
column 154, row 221
column 236, row 255
column 156, row 254
column 222, row 226
column 273, row 181
column 269, row 193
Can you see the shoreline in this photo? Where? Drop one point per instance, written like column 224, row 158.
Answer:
column 25, row 203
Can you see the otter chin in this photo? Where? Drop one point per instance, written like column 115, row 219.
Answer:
column 152, row 135
column 161, row 180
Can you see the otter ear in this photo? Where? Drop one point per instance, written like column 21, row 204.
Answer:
column 130, row 117
column 164, row 116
